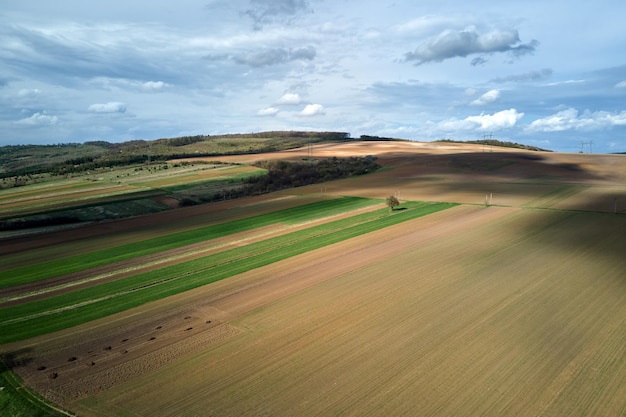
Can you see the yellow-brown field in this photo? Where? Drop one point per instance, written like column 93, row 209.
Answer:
column 510, row 304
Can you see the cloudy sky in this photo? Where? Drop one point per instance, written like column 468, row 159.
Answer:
column 544, row 73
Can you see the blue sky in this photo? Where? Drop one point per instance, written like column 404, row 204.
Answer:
column 545, row 73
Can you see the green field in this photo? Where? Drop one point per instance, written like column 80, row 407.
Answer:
column 117, row 192
column 55, row 313
column 17, row 400
column 41, row 271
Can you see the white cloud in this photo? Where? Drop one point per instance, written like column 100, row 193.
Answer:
column 270, row 111
column 621, row 84
column 489, row 97
column 291, row 99
column 570, row 119
column 110, row 107
column 500, row 120
column 562, row 120
column 313, row 110
column 153, row 85
column 126, row 85
column 39, row 119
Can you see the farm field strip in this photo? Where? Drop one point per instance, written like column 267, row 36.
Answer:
column 86, row 304
column 60, row 198
column 104, row 195
column 214, row 174
column 52, row 268
column 21, row 251
column 83, row 192
column 534, row 329
column 117, row 270
column 124, row 268
column 58, row 187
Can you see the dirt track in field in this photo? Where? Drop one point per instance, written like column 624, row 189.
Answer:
column 193, row 335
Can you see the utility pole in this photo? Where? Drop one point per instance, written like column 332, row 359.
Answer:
column 485, row 138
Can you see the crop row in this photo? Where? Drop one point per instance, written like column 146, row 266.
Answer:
column 80, row 306
column 295, row 215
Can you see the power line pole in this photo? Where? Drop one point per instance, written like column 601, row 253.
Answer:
column 487, row 138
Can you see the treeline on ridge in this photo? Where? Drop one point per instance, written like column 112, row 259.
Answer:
column 64, row 159
column 282, row 175
column 312, row 137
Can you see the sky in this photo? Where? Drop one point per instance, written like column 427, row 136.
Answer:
column 550, row 74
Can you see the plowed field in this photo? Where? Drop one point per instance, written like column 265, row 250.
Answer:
column 510, row 304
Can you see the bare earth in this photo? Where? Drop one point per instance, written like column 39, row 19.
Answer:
column 516, row 309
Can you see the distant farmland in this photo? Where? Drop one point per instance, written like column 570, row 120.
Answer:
column 497, row 289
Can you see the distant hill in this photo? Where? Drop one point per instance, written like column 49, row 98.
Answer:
column 24, row 164
column 63, row 159
column 495, row 142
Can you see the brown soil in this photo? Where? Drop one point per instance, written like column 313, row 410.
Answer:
column 126, row 345
column 100, row 355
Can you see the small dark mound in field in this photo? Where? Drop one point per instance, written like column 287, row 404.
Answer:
column 107, row 348
column 72, row 359
column 152, row 338
column 124, row 340
column 92, row 363
column 53, row 375
column 208, row 321
column 123, row 351
column 188, row 328
column 187, row 317
column 159, row 327
column 41, row 368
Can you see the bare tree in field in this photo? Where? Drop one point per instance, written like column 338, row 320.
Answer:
column 392, row 202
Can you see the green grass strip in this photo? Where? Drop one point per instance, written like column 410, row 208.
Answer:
column 17, row 400
column 56, row 313
column 295, row 215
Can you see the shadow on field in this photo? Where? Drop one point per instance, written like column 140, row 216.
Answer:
column 15, row 359
column 593, row 236
column 501, row 165
column 510, row 178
